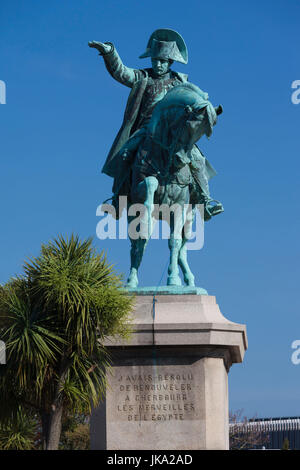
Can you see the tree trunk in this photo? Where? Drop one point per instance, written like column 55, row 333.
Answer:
column 54, row 427
column 53, row 423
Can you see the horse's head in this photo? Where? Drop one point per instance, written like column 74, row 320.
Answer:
column 182, row 117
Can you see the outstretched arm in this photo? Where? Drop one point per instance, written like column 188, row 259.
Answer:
column 114, row 64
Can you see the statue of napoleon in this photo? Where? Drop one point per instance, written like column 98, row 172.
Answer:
column 154, row 157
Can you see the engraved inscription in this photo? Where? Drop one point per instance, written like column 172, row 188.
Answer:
column 154, row 397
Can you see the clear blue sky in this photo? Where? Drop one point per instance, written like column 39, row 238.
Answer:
column 63, row 111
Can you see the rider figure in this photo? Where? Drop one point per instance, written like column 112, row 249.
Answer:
column 148, row 86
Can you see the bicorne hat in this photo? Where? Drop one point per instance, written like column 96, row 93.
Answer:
column 166, row 44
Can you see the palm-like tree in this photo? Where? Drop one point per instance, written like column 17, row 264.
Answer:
column 53, row 320
column 19, row 432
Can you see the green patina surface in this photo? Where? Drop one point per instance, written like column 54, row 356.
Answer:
column 167, row 290
column 154, row 159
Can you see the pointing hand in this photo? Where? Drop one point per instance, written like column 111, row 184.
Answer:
column 100, row 46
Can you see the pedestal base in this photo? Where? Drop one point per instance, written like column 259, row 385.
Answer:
column 168, row 389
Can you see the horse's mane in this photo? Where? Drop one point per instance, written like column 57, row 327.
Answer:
column 189, row 88
column 185, row 100
column 183, row 95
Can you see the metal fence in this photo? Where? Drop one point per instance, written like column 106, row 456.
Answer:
column 277, row 429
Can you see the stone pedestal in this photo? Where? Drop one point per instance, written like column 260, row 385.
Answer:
column 169, row 386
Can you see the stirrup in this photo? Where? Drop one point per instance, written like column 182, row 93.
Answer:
column 211, row 211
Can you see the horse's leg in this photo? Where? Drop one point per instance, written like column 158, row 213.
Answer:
column 145, row 191
column 136, row 255
column 189, row 278
column 175, row 242
column 173, row 271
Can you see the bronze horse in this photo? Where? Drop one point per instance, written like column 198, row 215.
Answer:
column 161, row 162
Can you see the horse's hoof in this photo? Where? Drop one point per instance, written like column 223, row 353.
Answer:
column 132, row 281
column 190, row 281
column 132, row 284
column 174, row 281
